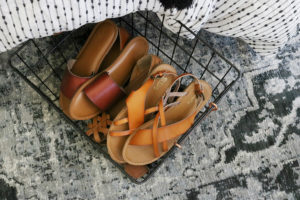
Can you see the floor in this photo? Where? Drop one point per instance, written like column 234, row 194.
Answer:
column 248, row 149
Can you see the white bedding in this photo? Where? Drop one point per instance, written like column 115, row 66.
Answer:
column 264, row 24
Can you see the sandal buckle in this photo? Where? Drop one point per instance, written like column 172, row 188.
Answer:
column 178, row 145
column 215, row 107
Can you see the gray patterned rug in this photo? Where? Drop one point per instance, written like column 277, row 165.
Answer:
column 248, row 149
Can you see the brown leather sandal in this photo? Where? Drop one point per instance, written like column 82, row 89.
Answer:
column 137, row 104
column 150, row 141
column 102, row 47
column 102, row 91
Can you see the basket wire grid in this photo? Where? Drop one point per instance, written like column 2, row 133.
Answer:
column 41, row 64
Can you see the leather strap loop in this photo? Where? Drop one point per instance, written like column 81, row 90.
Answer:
column 104, row 92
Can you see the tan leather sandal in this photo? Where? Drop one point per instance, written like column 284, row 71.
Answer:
column 102, row 91
column 153, row 139
column 102, row 47
column 137, row 106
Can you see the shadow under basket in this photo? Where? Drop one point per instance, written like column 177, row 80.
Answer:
column 41, row 64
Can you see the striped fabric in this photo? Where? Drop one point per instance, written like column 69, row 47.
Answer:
column 264, row 24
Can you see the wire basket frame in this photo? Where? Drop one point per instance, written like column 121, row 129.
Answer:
column 41, row 64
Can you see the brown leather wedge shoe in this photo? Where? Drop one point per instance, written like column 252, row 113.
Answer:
column 102, row 47
column 102, row 91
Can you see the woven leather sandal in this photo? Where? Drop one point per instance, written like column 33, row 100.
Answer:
column 137, row 104
column 102, row 47
column 102, row 91
column 153, row 139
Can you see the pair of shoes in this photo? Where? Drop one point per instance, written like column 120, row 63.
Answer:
column 155, row 116
column 94, row 82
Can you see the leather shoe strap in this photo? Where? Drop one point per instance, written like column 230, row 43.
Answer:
column 71, row 82
column 104, row 92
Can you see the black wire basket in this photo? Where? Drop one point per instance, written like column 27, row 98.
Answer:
column 43, row 69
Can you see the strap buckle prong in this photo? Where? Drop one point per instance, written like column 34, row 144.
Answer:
column 212, row 104
column 178, row 145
